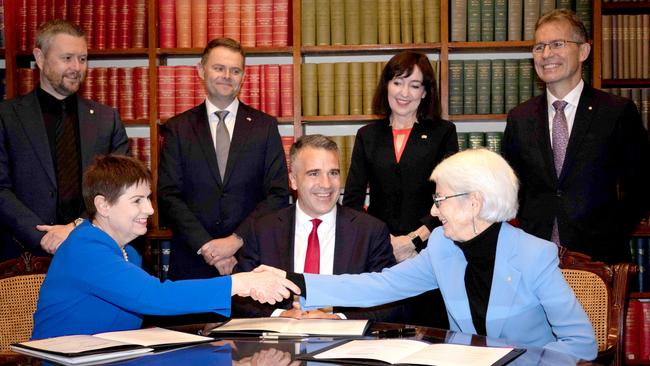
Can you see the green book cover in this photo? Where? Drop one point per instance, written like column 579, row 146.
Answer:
column 383, row 21
column 584, row 12
column 432, row 21
column 493, row 141
column 539, row 87
column 546, row 6
column 512, row 84
column 406, row 21
column 325, row 89
column 308, row 22
column 455, row 87
column 483, row 86
column 309, row 87
column 515, row 19
column 369, row 85
column 337, row 21
column 531, row 14
column 500, row 20
column 352, row 23
column 394, row 22
column 498, row 87
column 341, row 89
column 417, row 20
column 526, row 80
column 458, row 19
column 473, row 20
column 476, row 140
column 487, row 20
column 368, row 11
column 356, row 87
column 564, row 4
column 323, row 22
column 469, row 86
column 463, row 140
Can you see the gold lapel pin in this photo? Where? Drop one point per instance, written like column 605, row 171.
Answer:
column 590, row 108
column 424, row 137
column 248, row 119
column 92, row 111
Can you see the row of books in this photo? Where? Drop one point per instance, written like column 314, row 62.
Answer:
column 353, row 22
column 108, row 24
column 140, row 148
column 478, row 140
column 506, row 20
column 637, row 330
column 491, row 86
column 268, row 88
column 343, row 88
column 639, row 248
column 2, row 24
column 254, row 23
column 125, row 89
column 626, row 46
column 640, row 97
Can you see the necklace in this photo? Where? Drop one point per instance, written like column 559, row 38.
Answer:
column 126, row 256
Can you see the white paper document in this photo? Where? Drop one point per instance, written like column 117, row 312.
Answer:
column 331, row 327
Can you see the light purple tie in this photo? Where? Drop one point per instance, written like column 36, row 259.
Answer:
column 560, row 141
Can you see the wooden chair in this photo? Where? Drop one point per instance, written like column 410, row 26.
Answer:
column 20, row 282
column 602, row 290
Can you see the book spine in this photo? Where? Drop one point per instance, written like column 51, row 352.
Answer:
column 232, row 22
column 645, row 41
column 112, row 8
column 86, row 24
column 341, row 89
column 248, row 23
column 642, row 261
column 632, row 46
column 406, row 21
column 355, row 74
column 337, row 21
column 564, row 4
column 476, row 140
column 113, row 87
column 368, row 21
column 483, row 86
column 458, row 20
column 644, row 343
column 22, row 30
column 26, row 80
column 184, row 79
column 254, row 75
column 394, row 28
column 498, row 87
column 183, row 10
column 272, row 89
column 199, row 23
column 60, row 9
column 326, row 89
column 456, row 87
column 463, row 141
column 124, row 24
column 167, row 20
column 417, row 18
column 632, row 332
column 75, row 11
column 99, row 24
column 469, row 86
column 281, row 17
column 126, row 97
column 308, row 22
column 546, row 6
column 515, row 19
column 309, row 85
column 525, row 80
column 215, row 19
column 487, row 20
column 286, row 90
column 645, row 108
column 432, row 20
column 141, row 92
column 139, row 24
column 383, row 21
column 264, row 23
column 584, row 11
column 493, row 141
column 369, row 85
column 352, row 23
column 86, row 90
column 323, row 22
column 287, row 142
column 511, row 84
column 474, row 20
column 166, row 92
column 101, row 85
column 606, row 51
column 531, row 14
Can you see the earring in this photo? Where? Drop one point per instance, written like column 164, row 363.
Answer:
column 474, row 225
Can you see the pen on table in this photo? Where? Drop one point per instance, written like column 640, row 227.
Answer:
column 271, row 335
column 394, row 333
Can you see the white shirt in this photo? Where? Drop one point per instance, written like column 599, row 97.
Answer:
column 570, row 109
column 326, row 239
column 230, row 118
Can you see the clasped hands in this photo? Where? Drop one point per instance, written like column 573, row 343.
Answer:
column 220, row 253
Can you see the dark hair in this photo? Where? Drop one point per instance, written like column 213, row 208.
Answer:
column 48, row 30
column 228, row 43
column 110, row 176
column 403, row 64
column 314, row 141
column 565, row 15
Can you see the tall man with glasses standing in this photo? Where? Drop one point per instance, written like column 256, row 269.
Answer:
column 581, row 154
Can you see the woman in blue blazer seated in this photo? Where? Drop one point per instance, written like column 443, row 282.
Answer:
column 496, row 280
column 95, row 283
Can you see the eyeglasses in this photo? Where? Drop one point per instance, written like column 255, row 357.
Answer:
column 437, row 199
column 553, row 45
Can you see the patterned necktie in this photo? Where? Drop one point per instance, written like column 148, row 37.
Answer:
column 68, row 171
column 560, row 141
column 312, row 258
column 222, row 142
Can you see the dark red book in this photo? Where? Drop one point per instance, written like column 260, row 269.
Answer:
column 215, row 19
column 32, row 23
column 167, row 23
column 41, row 11
column 247, row 25
column 272, row 90
column 141, row 91
column 26, row 80
column 101, row 85
column 199, row 89
column 232, row 23
column 21, row 25
column 166, row 92
column 139, row 24
column 184, row 79
column 88, row 84
column 144, row 150
column 126, row 95
column 61, row 9
column 87, row 11
column 75, row 11
column 253, row 77
column 644, row 342
column 281, row 16
column 286, row 90
column 113, row 88
column 51, row 10
column 199, row 23
column 134, row 150
column 264, row 20
column 183, row 24
column 287, row 142
column 632, row 332
column 124, row 24
column 112, row 8
column 99, row 26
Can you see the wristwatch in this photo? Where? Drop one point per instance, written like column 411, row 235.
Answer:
column 77, row 221
column 416, row 240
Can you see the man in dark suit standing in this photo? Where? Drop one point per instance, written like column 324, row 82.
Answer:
column 315, row 235
column 581, row 154
column 47, row 138
column 220, row 162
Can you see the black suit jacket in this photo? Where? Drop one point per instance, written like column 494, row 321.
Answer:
column 400, row 193
column 194, row 201
column 27, row 174
column 608, row 146
column 361, row 245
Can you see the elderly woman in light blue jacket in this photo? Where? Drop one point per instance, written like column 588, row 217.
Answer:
column 496, row 280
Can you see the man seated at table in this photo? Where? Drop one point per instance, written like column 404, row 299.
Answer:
column 316, row 235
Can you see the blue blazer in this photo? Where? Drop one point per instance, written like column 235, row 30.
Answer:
column 530, row 302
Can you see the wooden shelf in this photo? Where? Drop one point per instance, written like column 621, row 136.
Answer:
column 639, row 295
column 642, row 230
column 159, row 234
column 197, row 51
column 477, row 117
column 501, row 46
column 626, row 7
column 136, row 122
column 626, row 83
column 361, row 118
column 369, row 48
column 116, row 53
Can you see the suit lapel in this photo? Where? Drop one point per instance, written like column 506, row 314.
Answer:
column 543, row 136
column 346, row 232
column 450, row 282
column 87, row 131
column 386, row 151
column 285, row 237
column 417, row 138
column 581, row 124
column 31, row 121
column 243, row 126
column 199, row 121
column 505, row 281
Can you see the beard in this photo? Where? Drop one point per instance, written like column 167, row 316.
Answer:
column 66, row 83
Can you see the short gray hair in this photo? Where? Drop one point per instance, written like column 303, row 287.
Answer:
column 487, row 173
column 315, row 141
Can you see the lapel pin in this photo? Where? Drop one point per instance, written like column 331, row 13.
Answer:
column 509, row 279
column 248, row 119
column 590, row 108
column 92, row 111
column 424, row 137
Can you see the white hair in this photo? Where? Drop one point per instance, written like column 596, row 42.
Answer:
column 487, row 173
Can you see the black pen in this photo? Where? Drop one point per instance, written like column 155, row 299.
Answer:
column 394, row 333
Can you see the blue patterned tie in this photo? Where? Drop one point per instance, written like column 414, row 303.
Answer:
column 560, row 142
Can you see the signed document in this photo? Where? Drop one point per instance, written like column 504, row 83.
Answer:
column 407, row 351
column 294, row 327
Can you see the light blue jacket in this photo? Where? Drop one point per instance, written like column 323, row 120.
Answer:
column 530, row 302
